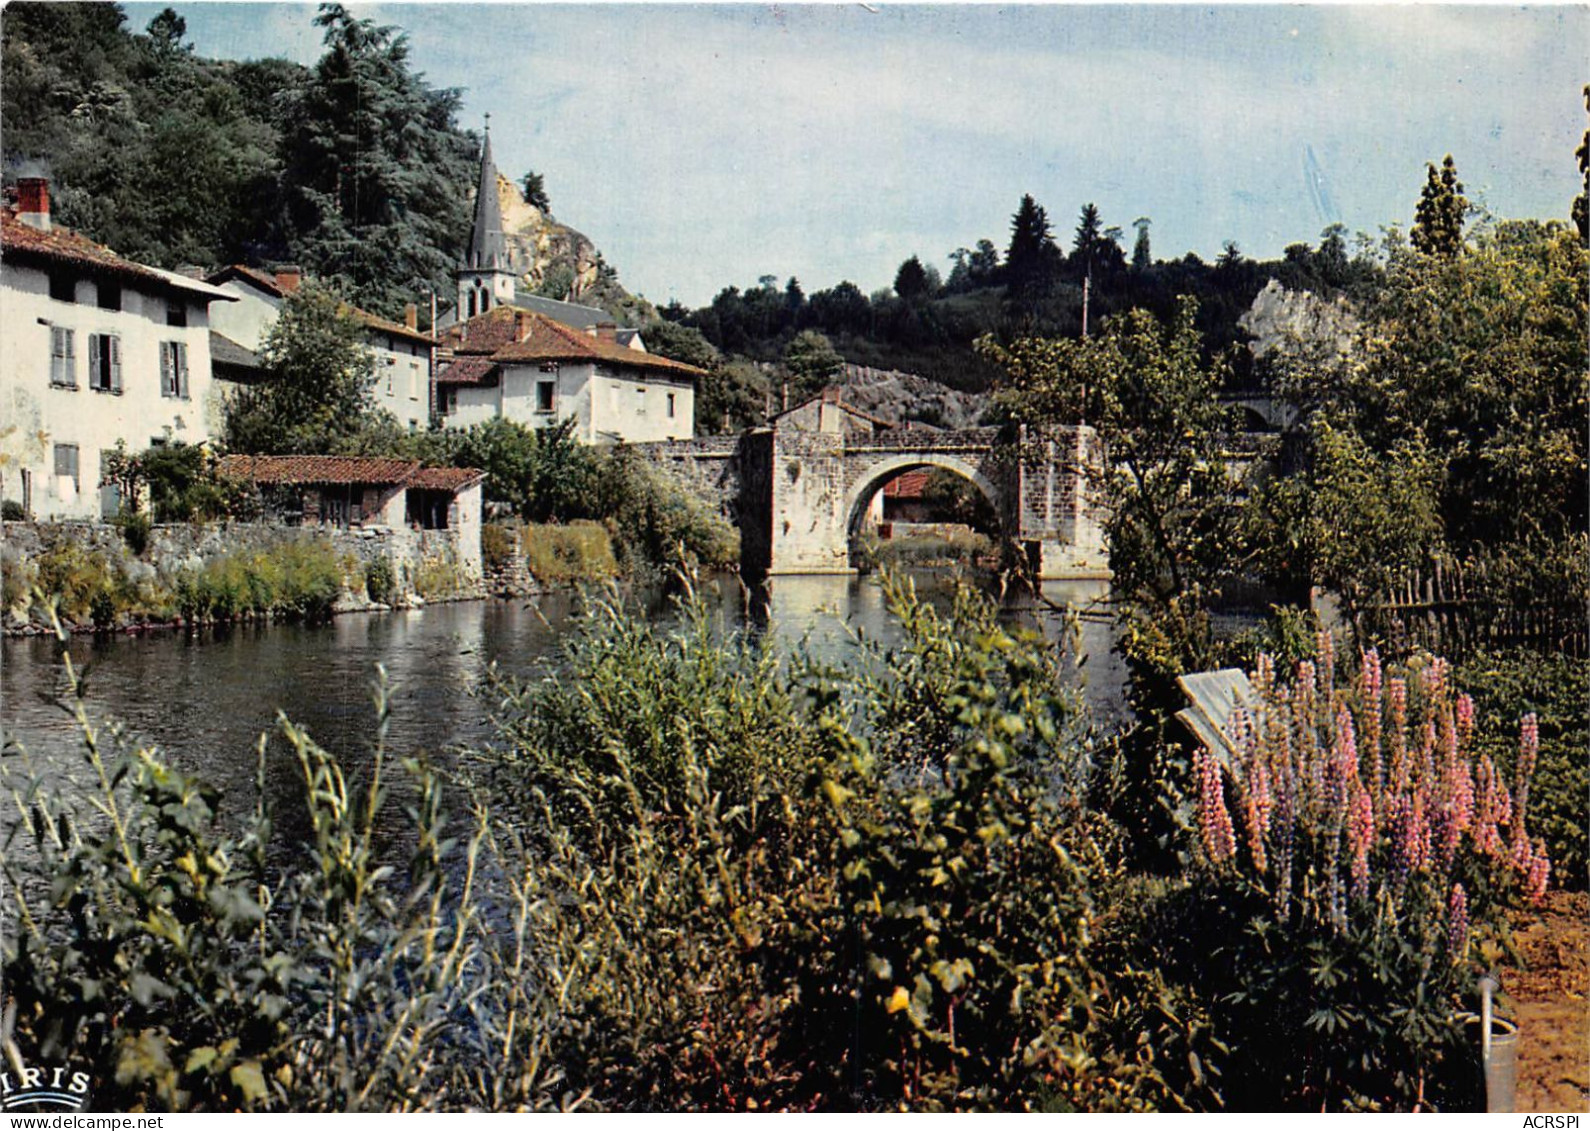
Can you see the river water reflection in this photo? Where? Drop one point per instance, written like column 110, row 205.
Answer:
column 206, row 699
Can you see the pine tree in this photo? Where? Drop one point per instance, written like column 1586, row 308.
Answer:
column 1142, row 259
column 911, row 281
column 1438, row 220
column 376, row 172
column 1031, row 264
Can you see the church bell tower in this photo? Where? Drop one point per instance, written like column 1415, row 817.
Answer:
column 485, row 278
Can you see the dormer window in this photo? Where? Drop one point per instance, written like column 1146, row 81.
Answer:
column 176, row 312
column 63, row 286
column 109, row 296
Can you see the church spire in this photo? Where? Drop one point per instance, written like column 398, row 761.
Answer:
column 487, row 249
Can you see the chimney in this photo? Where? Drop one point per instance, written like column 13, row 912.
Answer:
column 521, row 325
column 33, row 202
column 411, row 316
column 288, row 278
column 607, row 331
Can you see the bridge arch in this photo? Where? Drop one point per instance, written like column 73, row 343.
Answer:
column 878, row 474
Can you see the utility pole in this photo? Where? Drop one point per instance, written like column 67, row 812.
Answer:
column 1087, row 282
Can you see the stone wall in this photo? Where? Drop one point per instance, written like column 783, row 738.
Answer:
column 434, row 559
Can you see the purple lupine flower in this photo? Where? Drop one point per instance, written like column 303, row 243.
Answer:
column 1397, row 694
column 1371, row 675
column 1258, row 804
column 1457, row 922
column 1465, row 720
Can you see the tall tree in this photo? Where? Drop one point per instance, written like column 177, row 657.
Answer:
column 1032, row 263
column 534, row 190
column 911, row 281
column 1142, row 259
column 1095, row 248
column 376, row 170
column 319, row 381
column 1438, row 220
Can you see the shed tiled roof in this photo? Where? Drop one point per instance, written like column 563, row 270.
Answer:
column 318, row 469
column 484, row 333
column 260, row 279
column 445, row 478
column 471, row 369
column 64, row 246
column 340, row 470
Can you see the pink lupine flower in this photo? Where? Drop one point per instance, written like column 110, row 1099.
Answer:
column 1264, row 676
column 1521, row 855
column 1486, row 838
column 1397, row 694
column 1257, row 808
column 1539, row 874
column 1528, row 752
column 1413, row 833
column 1214, row 820
column 1457, row 921
column 1435, row 680
column 1360, row 838
column 1465, row 720
column 1372, row 726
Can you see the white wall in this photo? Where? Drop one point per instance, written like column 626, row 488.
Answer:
column 629, row 405
column 402, row 379
column 247, row 320
column 36, row 416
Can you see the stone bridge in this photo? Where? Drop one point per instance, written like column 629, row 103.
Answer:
column 800, row 497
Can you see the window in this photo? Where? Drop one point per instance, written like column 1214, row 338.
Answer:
column 109, row 296
column 63, row 287
column 670, row 406
column 66, row 464
column 451, row 401
column 174, row 370
column 640, row 400
column 63, row 358
column 176, row 312
column 414, row 380
column 612, row 396
column 544, row 390
column 104, row 363
column 389, row 377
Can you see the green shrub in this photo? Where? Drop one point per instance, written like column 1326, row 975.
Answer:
column 12, row 511
column 436, row 578
column 960, row 548
column 496, row 547
column 580, row 551
column 298, row 580
column 379, row 581
column 87, row 584
column 135, row 528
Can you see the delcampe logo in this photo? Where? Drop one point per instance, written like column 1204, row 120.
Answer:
column 34, row 1089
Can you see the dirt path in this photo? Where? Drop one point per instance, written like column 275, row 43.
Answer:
column 1552, row 998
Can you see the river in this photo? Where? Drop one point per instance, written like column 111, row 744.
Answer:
column 206, row 698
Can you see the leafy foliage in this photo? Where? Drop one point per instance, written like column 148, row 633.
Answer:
column 319, row 384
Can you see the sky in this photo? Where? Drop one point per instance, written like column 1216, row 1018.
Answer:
column 703, row 146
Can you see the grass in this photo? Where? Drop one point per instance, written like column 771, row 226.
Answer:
column 579, row 551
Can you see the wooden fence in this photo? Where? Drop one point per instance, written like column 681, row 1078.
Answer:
column 1454, row 609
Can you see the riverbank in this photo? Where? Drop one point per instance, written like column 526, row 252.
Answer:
column 185, row 575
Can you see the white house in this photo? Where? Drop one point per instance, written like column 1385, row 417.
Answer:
column 401, row 351
column 97, row 349
column 536, row 371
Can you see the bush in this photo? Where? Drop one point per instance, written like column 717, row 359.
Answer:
column 435, row 579
column 1356, row 858
column 496, row 547
column 960, row 548
column 292, row 581
column 379, row 581
column 12, row 511
column 135, row 528
column 580, row 551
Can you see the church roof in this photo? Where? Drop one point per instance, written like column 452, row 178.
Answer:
column 488, row 250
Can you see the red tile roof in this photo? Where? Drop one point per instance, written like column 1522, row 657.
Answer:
column 484, row 333
column 513, row 334
column 259, row 278
column 471, row 369
column 908, row 486
column 339, row 470
column 318, row 469
column 445, row 478
column 62, row 245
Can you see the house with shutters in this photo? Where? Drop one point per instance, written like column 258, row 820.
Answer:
column 99, row 350
column 402, row 352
